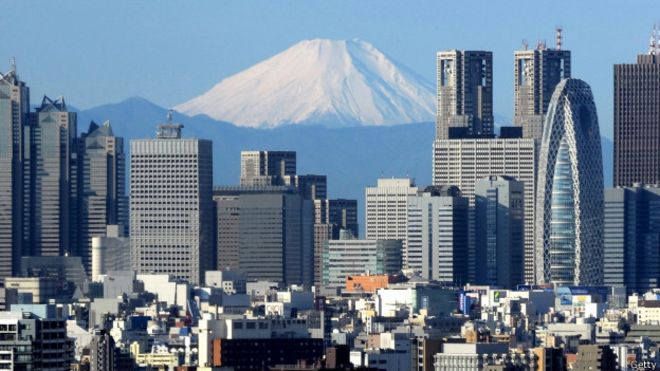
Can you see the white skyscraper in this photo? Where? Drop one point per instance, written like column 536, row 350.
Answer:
column 171, row 228
column 387, row 210
column 462, row 162
column 438, row 234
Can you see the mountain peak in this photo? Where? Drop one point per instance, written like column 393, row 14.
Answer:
column 319, row 81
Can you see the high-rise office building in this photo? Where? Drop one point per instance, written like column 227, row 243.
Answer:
column 343, row 214
column 226, row 231
column 312, row 187
column 637, row 121
column 465, row 94
column 569, row 204
column 102, row 195
column 330, row 218
column 536, row 73
column 462, row 162
column 437, row 236
column 14, row 108
column 264, row 168
column 387, row 210
column 631, row 238
column 171, row 207
column 266, row 232
column 499, row 231
column 50, row 178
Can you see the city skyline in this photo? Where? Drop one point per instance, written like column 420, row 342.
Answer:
column 131, row 72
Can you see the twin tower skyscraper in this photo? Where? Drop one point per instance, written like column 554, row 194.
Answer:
column 553, row 149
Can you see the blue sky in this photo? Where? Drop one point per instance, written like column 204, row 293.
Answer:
column 95, row 52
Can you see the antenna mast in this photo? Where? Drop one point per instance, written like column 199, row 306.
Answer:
column 653, row 41
column 12, row 64
column 558, row 29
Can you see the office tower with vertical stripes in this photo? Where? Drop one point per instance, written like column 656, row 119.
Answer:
column 50, row 177
column 465, row 93
column 637, row 120
column 536, row 73
column 499, row 233
column 14, row 108
column 631, row 238
column 101, row 187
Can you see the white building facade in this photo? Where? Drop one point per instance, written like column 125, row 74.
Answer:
column 171, row 218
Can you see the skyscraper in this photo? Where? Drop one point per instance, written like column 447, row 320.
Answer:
column 14, row 107
column 387, row 210
column 499, row 236
column 462, row 162
column 263, row 168
column 266, row 232
column 632, row 238
column 343, row 214
column 171, row 220
column 49, row 172
column 437, row 235
column 465, row 93
column 569, row 218
column 102, row 193
column 536, row 73
column 637, row 121
column 311, row 187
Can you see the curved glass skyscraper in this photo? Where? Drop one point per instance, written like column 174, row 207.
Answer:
column 569, row 218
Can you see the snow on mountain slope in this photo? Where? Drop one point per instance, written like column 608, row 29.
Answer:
column 329, row 82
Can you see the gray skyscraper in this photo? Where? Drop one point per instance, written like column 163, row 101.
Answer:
column 465, row 94
column 499, row 231
column 266, row 232
column 637, row 120
column 536, row 73
column 632, row 238
column 102, row 193
column 437, row 235
column 14, row 107
column 171, row 213
column 49, row 172
column 264, row 168
column 569, row 203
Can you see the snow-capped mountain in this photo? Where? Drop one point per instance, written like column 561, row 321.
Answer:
column 329, row 82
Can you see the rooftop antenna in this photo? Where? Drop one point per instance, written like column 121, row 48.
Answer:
column 558, row 30
column 656, row 45
column 12, row 64
column 652, row 42
column 525, row 45
column 169, row 116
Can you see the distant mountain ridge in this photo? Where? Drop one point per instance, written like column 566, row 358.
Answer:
column 336, row 83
